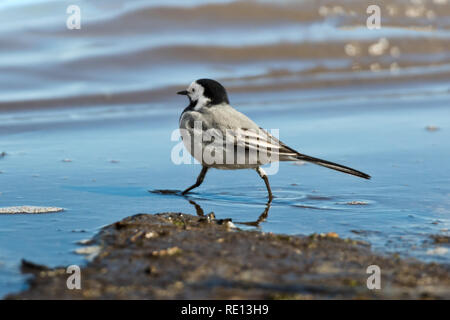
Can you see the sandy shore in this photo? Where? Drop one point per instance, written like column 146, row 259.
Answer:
column 180, row 256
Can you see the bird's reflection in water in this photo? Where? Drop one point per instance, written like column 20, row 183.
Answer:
column 262, row 217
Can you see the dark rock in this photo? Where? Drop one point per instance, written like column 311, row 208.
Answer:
column 179, row 256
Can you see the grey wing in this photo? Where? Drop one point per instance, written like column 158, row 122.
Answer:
column 264, row 142
column 237, row 131
column 245, row 134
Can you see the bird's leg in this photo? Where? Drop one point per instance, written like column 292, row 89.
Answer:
column 263, row 175
column 199, row 181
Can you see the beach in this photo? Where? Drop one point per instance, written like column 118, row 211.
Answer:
column 86, row 119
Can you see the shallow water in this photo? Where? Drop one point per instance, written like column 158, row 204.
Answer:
column 406, row 201
column 104, row 98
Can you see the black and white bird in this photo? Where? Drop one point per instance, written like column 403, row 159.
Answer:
column 209, row 106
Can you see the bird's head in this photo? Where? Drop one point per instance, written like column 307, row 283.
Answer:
column 205, row 93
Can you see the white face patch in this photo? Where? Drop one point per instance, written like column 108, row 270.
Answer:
column 196, row 93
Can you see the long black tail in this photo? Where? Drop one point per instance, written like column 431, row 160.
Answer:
column 332, row 165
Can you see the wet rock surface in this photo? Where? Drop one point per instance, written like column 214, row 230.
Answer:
column 179, row 256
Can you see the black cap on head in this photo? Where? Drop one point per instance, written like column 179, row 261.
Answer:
column 214, row 91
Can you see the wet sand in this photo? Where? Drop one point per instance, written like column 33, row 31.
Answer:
column 134, row 52
column 180, row 256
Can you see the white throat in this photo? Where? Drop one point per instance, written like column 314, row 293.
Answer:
column 196, row 93
column 202, row 102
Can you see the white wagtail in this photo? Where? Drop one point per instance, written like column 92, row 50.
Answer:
column 209, row 106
